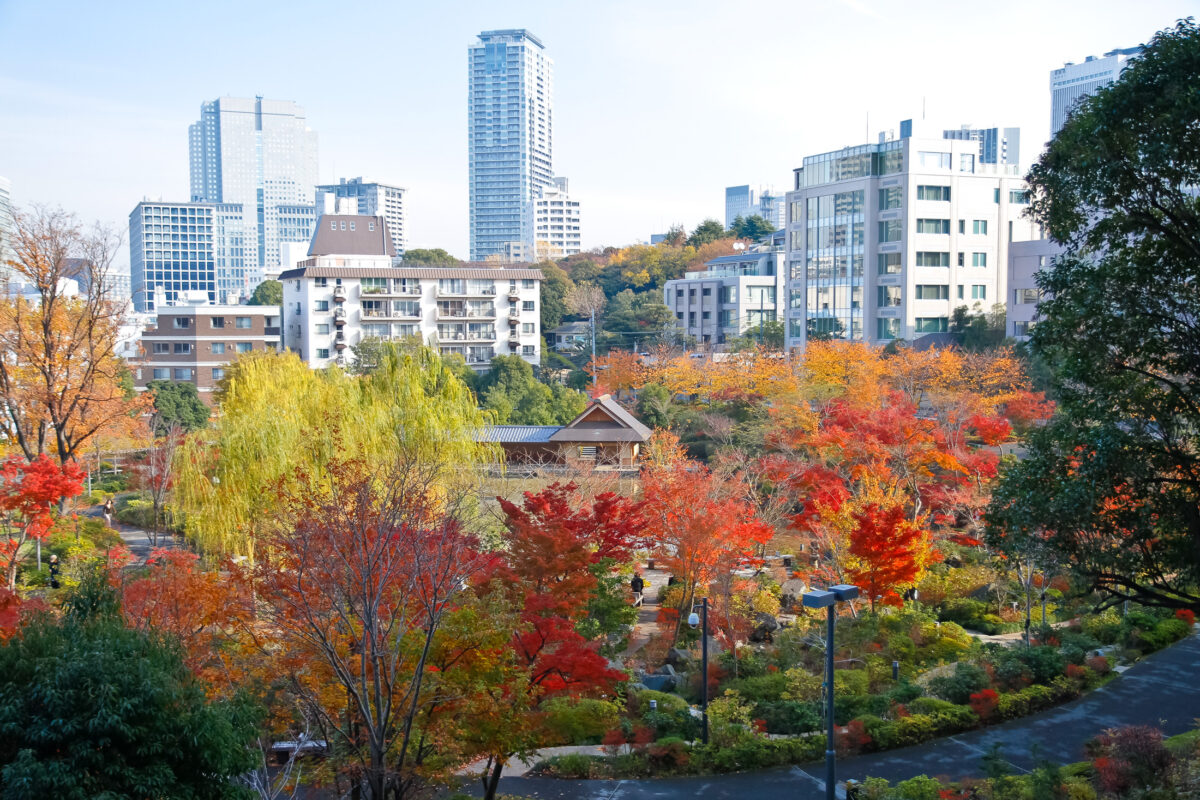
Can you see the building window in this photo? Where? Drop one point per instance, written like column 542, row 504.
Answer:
column 218, row 348
column 979, row 226
column 932, row 324
column 370, row 226
column 182, row 322
column 183, row 374
column 891, row 231
column 1021, row 197
column 933, row 291
column 218, row 373
column 1025, row 297
column 322, row 352
column 961, row 258
column 705, row 315
column 960, row 292
column 889, row 263
column 322, row 328
column 936, row 193
column 889, row 296
column 978, row 292
column 527, row 349
column 933, row 226
column 374, row 285
column 978, row 259
column 679, row 316
column 322, row 305
column 351, row 226
column 333, row 225
column 245, row 347
column 887, row 328
column 966, row 162
column 691, row 318
column 527, row 283
column 161, row 347
column 162, row 374
column 929, row 258
column 706, row 292
column 527, row 305
column 217, row 322
column 890, row 198
column 242, row 322
column 679, row 294
column 527, row 329
column 183, row 348
column 931, row 160
column 1022, row 328
column 321, row 282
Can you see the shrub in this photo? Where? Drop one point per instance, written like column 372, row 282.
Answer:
column 929, row 705
column 958, row 688
column 583, row 721
column 758, row 753
column 571, row 765
column 729, row 720
column 1130, row 756
column 846, row 708
column 760, row 688
column 801, row 685
column 639, row 701
column 905, row 692
column 789, row 716
column 1099, row 665
column 918, row 788
column 672, row 723
column 669, row 754
column 1105, row 627
column 983, row 703
column 1187, row 616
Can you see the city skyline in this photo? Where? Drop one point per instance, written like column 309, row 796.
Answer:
column 648, row 129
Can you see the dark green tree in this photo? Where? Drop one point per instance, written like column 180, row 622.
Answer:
column 976, row 329
column 654, row 405
column 556, row 285
column 824, row 329
column 267, row 293
column 429, row 257
column 640, row 318
column 753, row 227
column 1113, row 483
column 708, row 231
column 90, row 708
column 510, row 390
column 178, row 404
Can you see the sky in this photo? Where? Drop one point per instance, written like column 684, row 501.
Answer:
column 659, row 104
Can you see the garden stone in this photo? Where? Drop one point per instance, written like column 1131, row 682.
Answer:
column 667, row 669
column 791, row 592
column 678, row 658
column 660, row 683
column 764, row 627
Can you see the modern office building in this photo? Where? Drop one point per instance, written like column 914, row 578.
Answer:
column 348, row 290
column 510, row 137
column 996, row 145
column 557, row 223
column 369, row 199
column 261, row 155
column 193, row 341
column 886, row 239
column 733, row 295
column 1025, row 261
column 1073, row 82
column 744, row 201
column 184, row 248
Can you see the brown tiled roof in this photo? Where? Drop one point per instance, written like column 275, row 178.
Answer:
column 334, row 237
column 485, row 273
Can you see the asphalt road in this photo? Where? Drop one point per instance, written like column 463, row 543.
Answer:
column 1162, row 690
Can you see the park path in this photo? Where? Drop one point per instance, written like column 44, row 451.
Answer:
column 1162, row 690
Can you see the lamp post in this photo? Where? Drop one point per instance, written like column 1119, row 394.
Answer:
column 701, row 619
column 828, row 600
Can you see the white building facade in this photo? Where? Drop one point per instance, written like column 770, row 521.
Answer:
column 261, row 155
column 733, row 296
column 371, row 199
column 510, row 138
column 886, row 240
column 1025, row 261
column 557, row 222
column 1072, row 82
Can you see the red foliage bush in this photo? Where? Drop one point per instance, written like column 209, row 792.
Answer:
column 984, row 703
column 1130, row 756
column 852, row 738
column 1099, row 665
column 1187, row 615
column 1076, row 672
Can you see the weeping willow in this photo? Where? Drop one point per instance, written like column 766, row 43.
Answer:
column 279, row 420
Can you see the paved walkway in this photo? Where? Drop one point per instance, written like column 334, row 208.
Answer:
column 1163, row 690
column 136, row 540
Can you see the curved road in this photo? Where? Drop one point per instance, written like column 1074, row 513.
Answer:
column 1162, row 690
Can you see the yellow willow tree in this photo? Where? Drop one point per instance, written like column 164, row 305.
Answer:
column 276, row 416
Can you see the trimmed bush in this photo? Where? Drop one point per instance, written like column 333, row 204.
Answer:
column 789, row 716
column 958, row 688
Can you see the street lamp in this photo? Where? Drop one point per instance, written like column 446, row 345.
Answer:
column 828, row 600
column 701, row 619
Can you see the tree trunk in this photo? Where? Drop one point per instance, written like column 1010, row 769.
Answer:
column 491, row 779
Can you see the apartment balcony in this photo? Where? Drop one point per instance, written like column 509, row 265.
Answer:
column 514, row 317
column 469, row 336
column 339, row 341
column 339, row 294
column 513, row 295
column 339, row 317
column 452, row 313
column 373, row 290
column 268, row 331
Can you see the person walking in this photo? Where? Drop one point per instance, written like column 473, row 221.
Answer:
column 637, row 585
column 108, row 512
column 54, row 571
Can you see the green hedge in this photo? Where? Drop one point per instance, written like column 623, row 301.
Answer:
column 673, row 756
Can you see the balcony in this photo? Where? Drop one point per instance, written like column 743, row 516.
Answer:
column 339, row 294
column 452, row 313
column 270, row 331
column 468, row 336
column 339, row 317
column 513, row 295
column 339, row 341
column 376, row 290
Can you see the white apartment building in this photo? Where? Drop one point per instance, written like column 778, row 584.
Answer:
column 732, row 296
column 348, row 291
column 1072, row 82
column 1025, row 261
column 556, row 221
column 886, row 240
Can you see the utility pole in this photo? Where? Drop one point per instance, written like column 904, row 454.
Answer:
column 594, row 378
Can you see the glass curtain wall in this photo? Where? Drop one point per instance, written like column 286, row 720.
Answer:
column 834, row 266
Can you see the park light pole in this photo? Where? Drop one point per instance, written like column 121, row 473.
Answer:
column 701, row 619
column 828, row 600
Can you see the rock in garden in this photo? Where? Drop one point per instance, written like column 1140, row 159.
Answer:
column 765, row 625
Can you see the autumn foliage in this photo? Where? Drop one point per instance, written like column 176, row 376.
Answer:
column 29, row 492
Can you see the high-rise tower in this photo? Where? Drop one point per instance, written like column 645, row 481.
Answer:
column 510, row 104
column 259, row 154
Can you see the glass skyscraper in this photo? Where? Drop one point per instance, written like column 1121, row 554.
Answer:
column 261, row 155
column 180, row 250
column 1073, row 82
column 510, row 103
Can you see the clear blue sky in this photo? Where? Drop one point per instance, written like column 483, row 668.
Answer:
column 659, row 104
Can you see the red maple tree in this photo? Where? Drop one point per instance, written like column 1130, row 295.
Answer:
column 889, row 549
column 29, row 491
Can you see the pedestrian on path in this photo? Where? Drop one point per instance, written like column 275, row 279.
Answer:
column 53, row 571
column 637, row 585
column 108, row 512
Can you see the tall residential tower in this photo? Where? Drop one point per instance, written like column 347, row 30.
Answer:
column 261, row 155
column 1073, row 82
column 510, row 106
column 367, row 199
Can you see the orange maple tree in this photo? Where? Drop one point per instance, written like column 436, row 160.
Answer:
column 29, row 491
